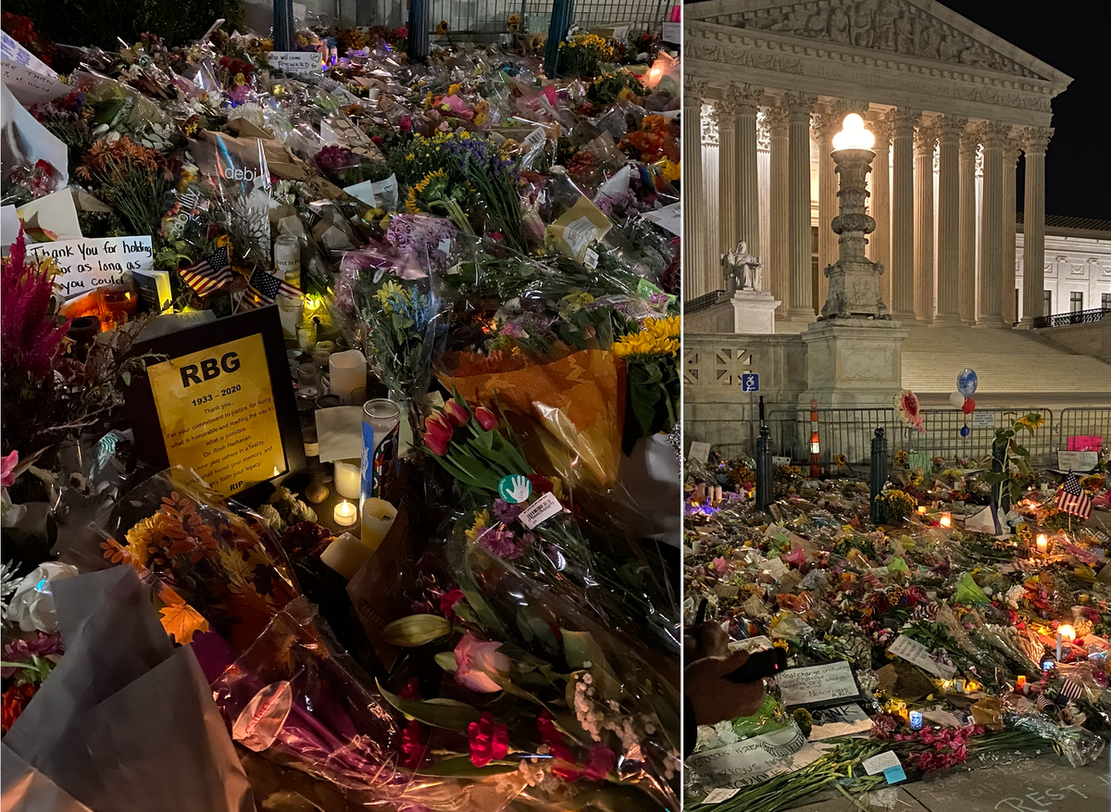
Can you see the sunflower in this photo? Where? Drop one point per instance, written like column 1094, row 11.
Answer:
column 481, row 522
column 841, row 460
column 513, row 22
column 442, row 28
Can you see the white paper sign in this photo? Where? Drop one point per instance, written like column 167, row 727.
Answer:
column 295, row 62
column 673, row 33
column 700, row 451
column 719, row 795
column 781, row 461
column 817, row 683
column 777, row 568
column 842, row 720
column 87, row 264
column 668, row 218
column 543, row 508
column 31, row 87
column 754, row 760
column 1077, row 460
column 917, row 654
column 983, row 420
column 880, row 762
column 12, row 51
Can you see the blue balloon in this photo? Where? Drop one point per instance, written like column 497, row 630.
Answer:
column 967, row 382
column 965, row 431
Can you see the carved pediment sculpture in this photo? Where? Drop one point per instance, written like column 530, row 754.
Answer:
column 886, row 25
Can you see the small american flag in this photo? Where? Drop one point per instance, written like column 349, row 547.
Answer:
column 1044, row 703
column 265, row 288
column 210, row 274
column 1071, row 498
column 1071, row 689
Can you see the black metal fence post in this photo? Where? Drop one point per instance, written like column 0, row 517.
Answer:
column 1000, row 496
column 764, row 487
column 418, row 30
column 878, row 472
column 283, row 25
column 563, row 12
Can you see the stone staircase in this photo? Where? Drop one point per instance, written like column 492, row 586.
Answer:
column 1015, row 368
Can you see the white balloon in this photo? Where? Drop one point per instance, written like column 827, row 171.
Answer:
column 956, row 400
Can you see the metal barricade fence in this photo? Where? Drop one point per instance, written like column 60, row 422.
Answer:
column 844, row 435
column 488, row 17
column 1083, row 422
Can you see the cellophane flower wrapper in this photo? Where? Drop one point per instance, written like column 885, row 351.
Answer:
column 620, row 692
column 294, row 696
column 214, row 564
column 1078, row 745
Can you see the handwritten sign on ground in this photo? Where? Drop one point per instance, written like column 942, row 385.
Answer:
column 914, row 652
column 754, row 760
column 87, row 264
column 295, row 62
column 817, row 684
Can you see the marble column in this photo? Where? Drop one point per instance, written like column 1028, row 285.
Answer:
column 779, row 261
column 745, row 99
column 1012, row 147
column 1035, row 141
column 992, row 135
column 824, row 126
column 970, row 143
column 798, row 107
column 724, row 117
column 948, row 220
column 925, row 268
column 902, row 212
column 696, row 276
column 879, row 245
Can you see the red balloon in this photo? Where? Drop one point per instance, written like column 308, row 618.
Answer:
column 969, row 405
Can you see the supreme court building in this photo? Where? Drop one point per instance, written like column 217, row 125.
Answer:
column 952, row 106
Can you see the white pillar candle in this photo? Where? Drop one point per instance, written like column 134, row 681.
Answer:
column 345, row 514
column 348, row 373
column 378, row 518
column 347, row 478
column 346, row 555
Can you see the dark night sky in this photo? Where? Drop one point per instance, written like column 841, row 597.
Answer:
column 1071, row 39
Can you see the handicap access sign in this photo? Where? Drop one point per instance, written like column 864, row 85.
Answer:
column 750, row 382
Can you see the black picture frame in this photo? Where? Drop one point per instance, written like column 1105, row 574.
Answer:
column 140, row 409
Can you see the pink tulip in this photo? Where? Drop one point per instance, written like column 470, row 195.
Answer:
column 7, row 469
column 437, row 427
column 478, row 662
column 456, row 414
column 434, row 445
column 486, row 418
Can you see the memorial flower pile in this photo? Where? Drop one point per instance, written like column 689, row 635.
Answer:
column 502, row 247
column 961, row 640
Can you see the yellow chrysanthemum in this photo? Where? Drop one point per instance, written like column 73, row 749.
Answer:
column 388, row 290
column 481, row 522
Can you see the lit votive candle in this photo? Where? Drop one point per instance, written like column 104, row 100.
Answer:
column 378, row 518
column 921, row 510
column 1020, row 682
column 946, row 520
column 346, row 555
column 1065, row 634
column 348, row 479
column 916, row 720
column 1042, row 543
column 345, row 514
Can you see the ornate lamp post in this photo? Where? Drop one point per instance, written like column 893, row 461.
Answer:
column 854, row 280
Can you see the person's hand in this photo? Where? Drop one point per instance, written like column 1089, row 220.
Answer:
column 715, row 698
column 705, row 640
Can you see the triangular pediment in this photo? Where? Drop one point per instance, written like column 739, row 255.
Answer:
column 917, row 29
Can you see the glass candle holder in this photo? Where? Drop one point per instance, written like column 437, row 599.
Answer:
column 308, row 381
column 381, row 424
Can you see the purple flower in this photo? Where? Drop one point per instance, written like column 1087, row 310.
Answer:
column 506, row 512
column 238, row 94
column 334, row 158
column 22, row 651
column 502, row 543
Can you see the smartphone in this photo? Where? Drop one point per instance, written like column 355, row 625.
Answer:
column 762, row 664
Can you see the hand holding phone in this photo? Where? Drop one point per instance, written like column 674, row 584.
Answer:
column 761, row 664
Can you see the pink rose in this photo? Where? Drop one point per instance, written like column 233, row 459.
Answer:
column 477, row 663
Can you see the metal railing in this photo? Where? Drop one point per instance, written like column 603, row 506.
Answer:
column 1075, row 317
column 703, row 302
column 845, row 435
column 489, row 17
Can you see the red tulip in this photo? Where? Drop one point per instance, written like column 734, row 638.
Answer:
column 486, row 418
column 456, row 414
column 435, row 445
column 437, row 427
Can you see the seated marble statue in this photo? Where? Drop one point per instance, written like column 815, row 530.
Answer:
column 741, row 269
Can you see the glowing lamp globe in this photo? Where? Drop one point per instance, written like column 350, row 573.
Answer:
column 853, row 135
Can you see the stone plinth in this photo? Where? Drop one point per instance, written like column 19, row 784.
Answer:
column 853, row 363
column 748, row 312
